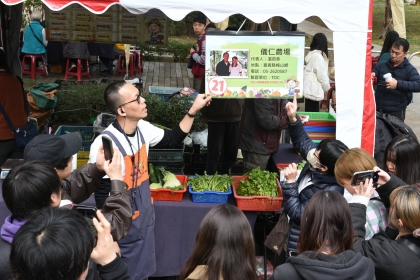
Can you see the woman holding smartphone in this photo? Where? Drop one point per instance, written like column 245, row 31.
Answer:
column 325, row 244
column 397, row 259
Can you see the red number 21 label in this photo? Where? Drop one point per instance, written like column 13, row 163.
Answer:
column 217, row 86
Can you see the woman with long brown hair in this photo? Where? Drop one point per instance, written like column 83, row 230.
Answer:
column 325, row 242
column 224, row 247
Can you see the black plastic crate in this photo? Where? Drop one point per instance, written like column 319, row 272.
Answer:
column 174, row 168
column 166, row 155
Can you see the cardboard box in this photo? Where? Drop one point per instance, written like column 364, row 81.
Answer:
column 57, row 67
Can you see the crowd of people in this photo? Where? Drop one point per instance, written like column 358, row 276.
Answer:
column 338, row 230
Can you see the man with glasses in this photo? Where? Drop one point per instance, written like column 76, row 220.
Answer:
column 133, row 136
column 316, row 175
column 392, row 94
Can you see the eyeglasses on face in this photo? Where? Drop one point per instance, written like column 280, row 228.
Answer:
column 318, row 161
column 137, row 99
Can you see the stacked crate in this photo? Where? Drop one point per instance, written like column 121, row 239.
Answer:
column 321, row 125
column 170, row 159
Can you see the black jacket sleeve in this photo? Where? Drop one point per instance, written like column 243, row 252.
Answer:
column 385, row 191
column 115, row 270
column 172, row 138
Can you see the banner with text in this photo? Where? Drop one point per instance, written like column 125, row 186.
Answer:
column 254, row 64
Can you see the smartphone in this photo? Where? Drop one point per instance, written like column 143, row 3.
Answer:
column 86, row 210
column 359, row 177
column 108, row 148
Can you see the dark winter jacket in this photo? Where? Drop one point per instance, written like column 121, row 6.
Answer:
column 262, row 122
column 389, row 100
column 392, row 259
column 76, row 50
column 226, row 110
column 294, row 202
column 310, row 265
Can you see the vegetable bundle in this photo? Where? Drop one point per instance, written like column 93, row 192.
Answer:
column 216, row 182
column 259, row 183
column 160, row 178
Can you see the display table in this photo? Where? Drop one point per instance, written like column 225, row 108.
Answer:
column 176, row 224
column 285, row 154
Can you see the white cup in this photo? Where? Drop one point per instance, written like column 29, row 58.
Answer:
column 388, row 76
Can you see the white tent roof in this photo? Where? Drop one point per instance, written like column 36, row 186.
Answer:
column 350, row 21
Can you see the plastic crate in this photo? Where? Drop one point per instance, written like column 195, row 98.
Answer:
column 210, row 196
column 85, row 132
column 165, row 155
column 163, row 92
column 318, row 116
column 257, row 203
column 319, row 128
column 174, row 168
column 170, row 195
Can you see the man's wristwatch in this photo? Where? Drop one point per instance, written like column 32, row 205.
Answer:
column 190, row 115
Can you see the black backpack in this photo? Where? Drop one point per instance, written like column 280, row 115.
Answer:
column 387, row 127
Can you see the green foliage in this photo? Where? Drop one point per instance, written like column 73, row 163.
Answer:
column 179, row 49
column 28, row 7
column 79, row 103
column 259, row 183
column 182, row 27
column 169, row 114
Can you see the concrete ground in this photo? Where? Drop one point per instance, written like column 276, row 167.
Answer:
column 413, row 110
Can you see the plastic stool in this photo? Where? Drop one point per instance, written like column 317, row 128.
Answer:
column 138, row 60
column 33, row 66
column 131, row 66
column 79, row 73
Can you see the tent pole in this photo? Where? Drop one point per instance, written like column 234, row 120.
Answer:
column 240, row 27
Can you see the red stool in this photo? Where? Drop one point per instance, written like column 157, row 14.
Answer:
column 139, row 61
column 33, row 66
column 131, row 65
column 79, row 72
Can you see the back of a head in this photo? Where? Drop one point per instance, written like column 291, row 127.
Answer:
column 319, row 42
column 112, row 97
column 401, row 42
column 331, row 150
column 55, row 243
column 326, row 224
column 404, row 152
column 28, row 188
column 405, row 205
column 390, row 38
column 351, row 161
column 36, row 15
column 225, row 244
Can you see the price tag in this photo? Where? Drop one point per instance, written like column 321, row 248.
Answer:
column 217, row 86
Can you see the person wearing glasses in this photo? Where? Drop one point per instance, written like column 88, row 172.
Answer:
column 132, row 136
column 316, row 175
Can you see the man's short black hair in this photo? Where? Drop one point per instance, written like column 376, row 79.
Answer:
column 402, row 42
column 112, row 96
column 63, row 163
column 225, row 53
column 28, row 188
column 200, row 19
column 55, row 243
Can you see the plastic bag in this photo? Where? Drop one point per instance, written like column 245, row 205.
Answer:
column 103, row 120
column 200, row 138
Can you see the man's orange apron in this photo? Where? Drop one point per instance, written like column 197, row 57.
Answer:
column 138, row 247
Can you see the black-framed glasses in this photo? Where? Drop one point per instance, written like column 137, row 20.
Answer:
column 137, row 99
column 318, row 160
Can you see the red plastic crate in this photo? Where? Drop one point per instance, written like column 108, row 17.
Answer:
column 169, row 195
column 257, row 203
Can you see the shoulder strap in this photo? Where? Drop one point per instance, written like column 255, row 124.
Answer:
column 413, row 247
column 35, row 35
column 118, row 143
column 12, row 127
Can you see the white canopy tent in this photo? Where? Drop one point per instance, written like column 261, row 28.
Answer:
column 350, row 21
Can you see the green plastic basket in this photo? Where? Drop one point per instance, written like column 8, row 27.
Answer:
column 318, row 116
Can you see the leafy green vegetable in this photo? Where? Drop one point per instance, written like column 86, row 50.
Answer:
column 259, row 183
column 152, row 174
column 301, row 164
column 155, row 186
column 216, row 182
